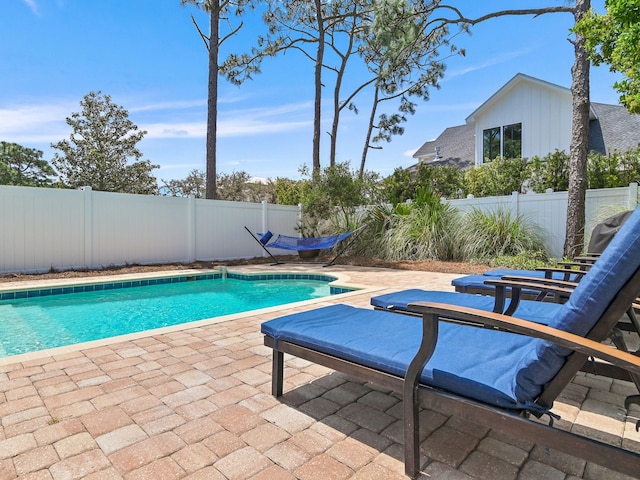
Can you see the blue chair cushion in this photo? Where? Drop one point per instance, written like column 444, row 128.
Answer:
column 462, row 284
column 475, row 283
column 477, row 363
column 540, row 312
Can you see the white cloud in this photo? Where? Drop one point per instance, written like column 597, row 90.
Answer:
column 34, row 123
column 33, row 6
column 46, row 123
column 239, row 122
column 175, row 130
column 506, row 57
column 409, row 153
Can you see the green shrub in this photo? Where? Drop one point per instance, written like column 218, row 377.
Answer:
column 499, row 177
column 486, row 235
column 528, row 261
column 550, row 172
column 424, row 229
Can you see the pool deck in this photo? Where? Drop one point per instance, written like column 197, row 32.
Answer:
column 194, row 402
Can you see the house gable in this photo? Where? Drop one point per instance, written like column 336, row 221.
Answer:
column 543, row 110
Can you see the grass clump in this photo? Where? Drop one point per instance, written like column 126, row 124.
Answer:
column 421, row 230
column 486, row 236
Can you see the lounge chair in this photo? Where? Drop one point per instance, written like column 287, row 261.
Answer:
column 300, row 244
column 531, row 310
column 495, row 376
column 481, row 284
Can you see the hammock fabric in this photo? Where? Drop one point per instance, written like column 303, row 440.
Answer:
column 296, row 243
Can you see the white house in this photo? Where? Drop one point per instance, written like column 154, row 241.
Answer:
column 528, row 117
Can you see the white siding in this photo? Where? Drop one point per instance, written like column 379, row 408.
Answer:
column 545, row 114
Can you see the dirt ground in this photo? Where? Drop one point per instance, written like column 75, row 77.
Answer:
column 426, row 266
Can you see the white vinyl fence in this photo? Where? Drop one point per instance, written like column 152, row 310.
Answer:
column 45, row 228
column 549, row 210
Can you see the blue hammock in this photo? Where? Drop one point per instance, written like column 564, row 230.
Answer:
column 297, row 244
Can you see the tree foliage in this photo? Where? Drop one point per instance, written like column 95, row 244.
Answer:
column 550, row 172
column 616, row 170
column 240, row 187
column 235, row 186
column 101, row 152
column 334, row 197
column 24, row 166
column 442, row 180
column 402, row 51
column 614, row 39
column 391, row 40
column 193, row 185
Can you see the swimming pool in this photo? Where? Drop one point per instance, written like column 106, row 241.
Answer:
column 56, row 316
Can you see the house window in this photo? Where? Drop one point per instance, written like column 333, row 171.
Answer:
column 491, row 143
column 512, row 147
column 503, row 141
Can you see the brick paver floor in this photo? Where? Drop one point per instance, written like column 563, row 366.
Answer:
column 194, row 402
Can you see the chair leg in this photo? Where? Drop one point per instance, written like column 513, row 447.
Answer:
column 618, row 340
column 277, row 373
column 410, row 395
column 411, row 412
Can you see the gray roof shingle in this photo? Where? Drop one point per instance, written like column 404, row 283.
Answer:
column 614, row 128
column 455, row 145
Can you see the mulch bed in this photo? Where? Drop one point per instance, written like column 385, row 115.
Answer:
column 425, row 266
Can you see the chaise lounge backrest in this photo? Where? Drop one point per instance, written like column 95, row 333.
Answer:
column 582, row 314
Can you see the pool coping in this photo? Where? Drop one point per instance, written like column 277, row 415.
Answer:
column 94, row 284
column 341, row 281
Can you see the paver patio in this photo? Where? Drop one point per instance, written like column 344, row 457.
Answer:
column 194, row 402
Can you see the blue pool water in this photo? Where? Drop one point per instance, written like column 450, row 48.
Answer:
column 40, row 322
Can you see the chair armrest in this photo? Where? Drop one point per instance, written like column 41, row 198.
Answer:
column 517, row 286
column 542, row 281
column 572, row 265
column 432, row 312
column 588, row 258
column 567, row 271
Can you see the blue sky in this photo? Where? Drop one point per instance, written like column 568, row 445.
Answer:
column 148, row 56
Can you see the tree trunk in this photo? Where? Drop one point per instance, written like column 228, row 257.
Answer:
column 212, row 98
column 367, row 140
column 318, row 87
column 336, row 111
column 574, row 239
